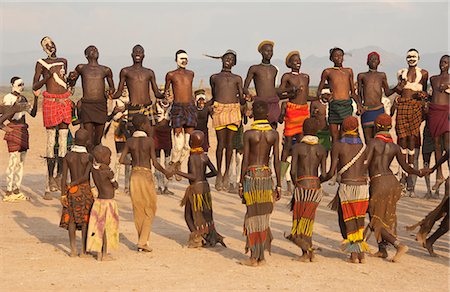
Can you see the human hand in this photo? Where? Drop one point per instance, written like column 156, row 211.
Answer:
column 36, row 92
column 64, row 201
column 276, row 194
column 115, row 185
column 425, row 171
column 7, row 129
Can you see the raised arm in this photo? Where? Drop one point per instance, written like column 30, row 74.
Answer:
column 38, row 71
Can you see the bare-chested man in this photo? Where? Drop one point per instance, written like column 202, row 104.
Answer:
column 184, row 111
column 56, row 108
column 409, row 106
column 371, row 85
column 256, row 185
column 264, row 77
column 142, row 187
column 227, row 97
column 385, row 189
column 342, row 87
column 93, row 113
column 352, row 198
column 138, row 80
column 76, row 197
column 295, row 87
column 17, row 139
column 438, row 113
column 307, row 157
column 197, row 200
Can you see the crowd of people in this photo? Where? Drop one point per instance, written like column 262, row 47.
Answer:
column 176, row 122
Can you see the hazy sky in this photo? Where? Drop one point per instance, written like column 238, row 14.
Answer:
column 205, row 27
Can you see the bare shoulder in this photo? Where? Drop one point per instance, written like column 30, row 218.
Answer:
column 304, row 75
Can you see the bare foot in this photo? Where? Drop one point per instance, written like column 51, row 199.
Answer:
column 251, row 262
column 312, row 257
column 429, row 247
column 304, row 258
column 438, row 183
column 382, row 253
column 421, row 238
column 262, row 262
column 85, row 255
column 144, row 248
column 73, row 254
column 361, row 258
column 106, row 258
column 401, row 250
column 353, row 258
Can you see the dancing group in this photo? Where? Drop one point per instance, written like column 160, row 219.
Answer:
column 143, row 128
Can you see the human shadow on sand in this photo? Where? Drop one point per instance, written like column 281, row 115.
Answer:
column 42, row 229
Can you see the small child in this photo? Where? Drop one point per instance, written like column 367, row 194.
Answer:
column 76, row 197
column 162, row 139
column 104, row 224
column 197, row 199
column 204, row 111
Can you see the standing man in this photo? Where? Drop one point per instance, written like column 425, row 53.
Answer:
column 56, row 108
column 371, row 85
column 295, row 86
column 183, row 112
column 264, row 77
column 138, row 80
column 256, row 185
column 438, row 113
column 409, row 108
column 340, row 80
column 227, row 95
column 17, row 139
column 93, row 112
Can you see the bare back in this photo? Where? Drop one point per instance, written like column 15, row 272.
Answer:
column 102, row 179
column 344, row 153
column 259, row 144
column 306, row 160
column 140, row 149
column 77, row 163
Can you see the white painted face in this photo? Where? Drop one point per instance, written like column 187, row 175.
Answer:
column 18, row 86
column 182, row 60
column 412, row 58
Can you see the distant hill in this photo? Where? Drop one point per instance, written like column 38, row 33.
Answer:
column 204, row 67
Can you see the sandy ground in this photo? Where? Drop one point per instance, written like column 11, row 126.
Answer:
column 34, row 250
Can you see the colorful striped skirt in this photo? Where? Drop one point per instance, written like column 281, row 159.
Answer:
column 296, row 114
column 304, row 203
column 354, row 203
column 258, row 188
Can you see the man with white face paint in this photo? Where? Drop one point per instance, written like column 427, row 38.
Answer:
column 56, row 108
column 183, row 114
column 17, row 139
column 412, row 90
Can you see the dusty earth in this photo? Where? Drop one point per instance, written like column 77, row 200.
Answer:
column 34, row 250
